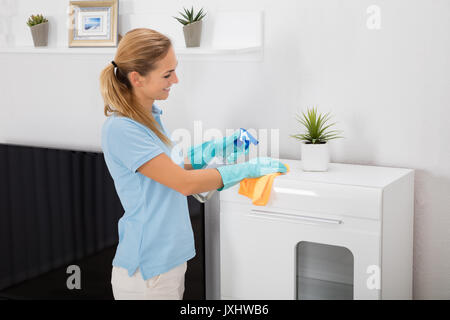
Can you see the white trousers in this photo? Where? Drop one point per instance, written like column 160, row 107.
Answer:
column 164, row 286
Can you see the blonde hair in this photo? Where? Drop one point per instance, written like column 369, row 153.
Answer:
column 138, row 50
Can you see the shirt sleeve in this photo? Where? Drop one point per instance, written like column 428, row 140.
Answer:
column 132, row 144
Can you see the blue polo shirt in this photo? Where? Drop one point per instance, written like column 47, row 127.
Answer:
column 155, row 232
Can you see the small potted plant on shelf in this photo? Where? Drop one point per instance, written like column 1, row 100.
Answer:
column 39, row 29
column 314, row 147
column 192, row 26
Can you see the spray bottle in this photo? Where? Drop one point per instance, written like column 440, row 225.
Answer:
column 244, row 139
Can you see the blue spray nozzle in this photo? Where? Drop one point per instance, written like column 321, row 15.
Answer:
column 246, row 138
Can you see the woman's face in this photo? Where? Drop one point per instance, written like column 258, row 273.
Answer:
column 156, row 84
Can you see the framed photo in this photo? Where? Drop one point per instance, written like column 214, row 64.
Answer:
column 93, row 23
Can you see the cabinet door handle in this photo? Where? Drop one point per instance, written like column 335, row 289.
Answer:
column 294, row 216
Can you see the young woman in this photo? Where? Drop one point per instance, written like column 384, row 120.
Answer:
column 152, row 181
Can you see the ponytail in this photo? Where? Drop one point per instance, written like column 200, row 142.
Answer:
column 138, row 50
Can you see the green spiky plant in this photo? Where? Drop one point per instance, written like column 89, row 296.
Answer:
column 316, row 130
column 190, row 16
column 36, row 19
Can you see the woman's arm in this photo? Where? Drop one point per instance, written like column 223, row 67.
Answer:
column 187, row 164
column 163, row 170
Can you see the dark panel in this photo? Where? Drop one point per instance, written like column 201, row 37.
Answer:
column 77, row 169
column 60, row 207
column 5, row 230
column 195, row 273
column 42, row 210
column 18, row 244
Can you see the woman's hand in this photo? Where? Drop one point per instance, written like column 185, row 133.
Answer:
column 233, row 174
column 200, row 155
column 228, row 149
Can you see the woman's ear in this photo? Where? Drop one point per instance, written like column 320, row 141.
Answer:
column 135, row 79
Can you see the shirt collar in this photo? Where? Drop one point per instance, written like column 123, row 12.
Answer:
column 156, row 110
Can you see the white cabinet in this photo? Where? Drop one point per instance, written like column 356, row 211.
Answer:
column 342, row 234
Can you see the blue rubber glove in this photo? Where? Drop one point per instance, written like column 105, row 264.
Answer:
column 256, row 167
column 200, row 155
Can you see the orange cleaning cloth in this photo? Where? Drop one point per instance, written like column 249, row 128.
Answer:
column 258, row 189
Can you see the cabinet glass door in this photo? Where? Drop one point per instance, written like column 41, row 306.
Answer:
column 323, row 272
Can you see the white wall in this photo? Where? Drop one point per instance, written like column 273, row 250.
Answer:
column 387, row 88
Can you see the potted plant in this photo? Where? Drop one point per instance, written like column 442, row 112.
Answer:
column 39, row 29
column 314, row 147
column 192, row 26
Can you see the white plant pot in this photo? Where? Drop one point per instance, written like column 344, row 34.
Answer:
column 315, row 157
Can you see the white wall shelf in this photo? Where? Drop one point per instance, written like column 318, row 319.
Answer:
column 229, row 36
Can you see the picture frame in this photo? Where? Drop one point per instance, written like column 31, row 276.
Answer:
column 93, row 23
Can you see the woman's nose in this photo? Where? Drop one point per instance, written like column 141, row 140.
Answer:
column 174, row 78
